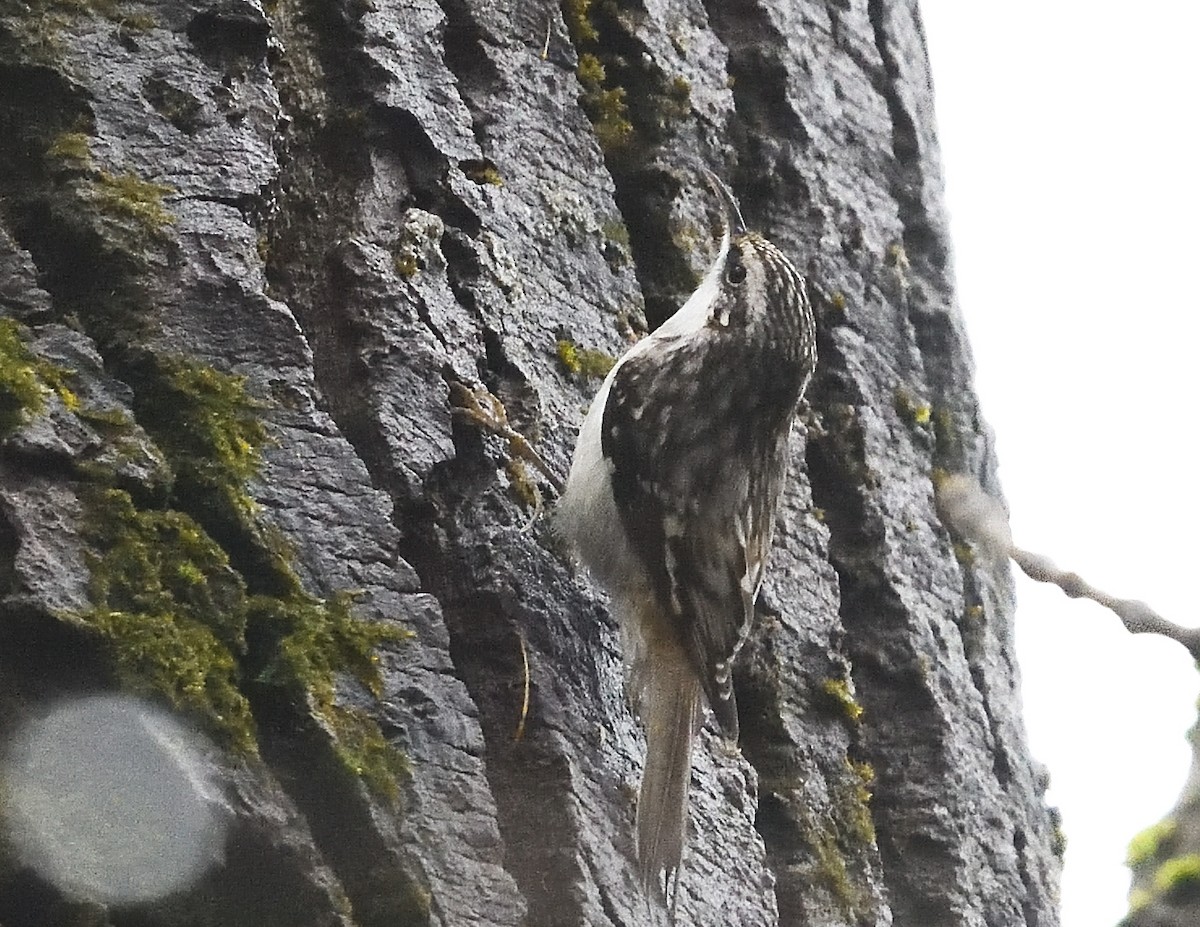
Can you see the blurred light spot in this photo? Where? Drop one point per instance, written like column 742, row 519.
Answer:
column 107, row 798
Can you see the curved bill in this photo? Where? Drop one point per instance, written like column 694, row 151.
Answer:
column 733, row 214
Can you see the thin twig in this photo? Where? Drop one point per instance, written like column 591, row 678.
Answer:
column 976, row 516
column 525, row 697
column 1138, row 617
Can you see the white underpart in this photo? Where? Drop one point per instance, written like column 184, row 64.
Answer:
column 587, row 512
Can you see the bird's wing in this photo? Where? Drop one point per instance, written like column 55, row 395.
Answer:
column 696, row 487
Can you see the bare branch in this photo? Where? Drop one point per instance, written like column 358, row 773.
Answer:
column 970, row 512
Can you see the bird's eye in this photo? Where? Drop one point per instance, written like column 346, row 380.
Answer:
column 736, row 273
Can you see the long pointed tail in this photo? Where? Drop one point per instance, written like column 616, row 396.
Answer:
column 671, row 710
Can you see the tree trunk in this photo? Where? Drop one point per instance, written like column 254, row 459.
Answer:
column 246, row 250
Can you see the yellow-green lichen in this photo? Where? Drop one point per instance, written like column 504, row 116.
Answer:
column 840, row 692
column 838, row 301
column 22, row 392
column 1148, row 844
column 583, row 362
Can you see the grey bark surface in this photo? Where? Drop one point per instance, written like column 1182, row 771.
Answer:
column 1165, row 860
column 368, row 201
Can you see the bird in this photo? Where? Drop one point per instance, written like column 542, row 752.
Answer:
column 670, row 502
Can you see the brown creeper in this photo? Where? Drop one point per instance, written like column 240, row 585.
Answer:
column 671, row 503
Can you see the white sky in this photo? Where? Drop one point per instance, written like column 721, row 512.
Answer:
column 1068, row 133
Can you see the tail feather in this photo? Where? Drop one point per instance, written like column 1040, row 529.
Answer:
column 670, row 706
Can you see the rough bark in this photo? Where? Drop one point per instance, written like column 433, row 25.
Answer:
column 1165, row 860
column 352, row 205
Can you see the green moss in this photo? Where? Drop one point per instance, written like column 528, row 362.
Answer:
column 854, row 802
column 135, row 22
column 170, row 609
column 26, row 380
column 605, row 106
column 840, row 693
column 610, row 118
column 1058, row 840
column 616, row 231
column 591, row 72
column 177, row 615
column 837, row 839
column 830, row 869
column 577, row 16
column 1148, row 844
column 114, row 418
column 406, row 263
column 583, row 362
column 175, row 618
column 180, row 108
column 1139, row 898
column 1178, row 876
column 309, row 643
column 617, row 244
column 631, row 324
column 208, row 427
column 910, row 409
column 73, row 148
column 482, row 172
column 22, row 392
column 676, row 102
column 133, row 201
